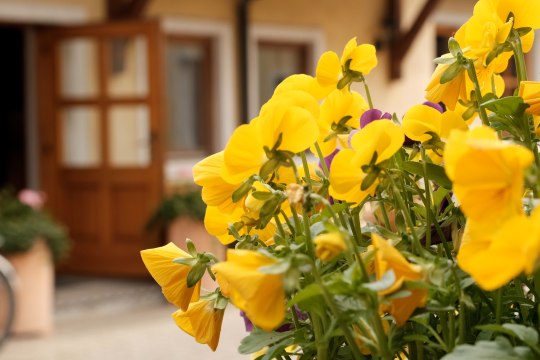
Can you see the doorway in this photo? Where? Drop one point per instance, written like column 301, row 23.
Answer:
column 12, row 106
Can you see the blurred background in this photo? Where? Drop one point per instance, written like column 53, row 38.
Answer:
column 105, row 106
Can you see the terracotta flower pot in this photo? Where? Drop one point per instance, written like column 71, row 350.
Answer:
column 34, row 293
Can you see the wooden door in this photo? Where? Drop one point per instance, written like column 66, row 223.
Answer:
column 100, row 126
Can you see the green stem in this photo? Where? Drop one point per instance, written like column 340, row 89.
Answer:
column 521, row 70
column 322, row 346
column 306, row 169
column 368, row 94
column 427, row 204
column 321, row 159
column 382, row 339
column 281, row 230
column 357, row 355
column 417, row 247
column 478, row 92
column 498, row 310
column 452, row 331
column 462, row 322
column 519, row 56
column 444, row 241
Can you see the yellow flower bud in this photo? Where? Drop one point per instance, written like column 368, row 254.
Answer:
column 295, row 193
column 329, row 245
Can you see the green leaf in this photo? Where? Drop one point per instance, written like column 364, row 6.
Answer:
column 444, row 60
column 258, row 339
column 384, row 283
column 262, row 195
column 243, row 189
column 510, row 105
column 526, row 334
column 451, row 73
column 196, row 273
column 189, row 261
column 435, row 172
column 306, row 293
column 278, row 268
column 523, row 31
column 369, row 180
column 453, row 47
column 500, row 349
column 192, row 250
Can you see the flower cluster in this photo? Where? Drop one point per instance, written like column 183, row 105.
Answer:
column 363, row 234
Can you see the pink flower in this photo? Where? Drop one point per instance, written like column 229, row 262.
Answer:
column 34, row 199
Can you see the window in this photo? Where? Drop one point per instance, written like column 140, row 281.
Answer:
column 189, row 95
column 278, row 60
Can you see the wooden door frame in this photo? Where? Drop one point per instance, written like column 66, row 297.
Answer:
column 49, row 103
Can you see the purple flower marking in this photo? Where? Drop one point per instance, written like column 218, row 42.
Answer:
column 282, row 328
column 437, row 107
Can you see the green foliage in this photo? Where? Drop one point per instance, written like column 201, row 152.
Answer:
column 499, row 349
column 186, row 204
column 21, row 226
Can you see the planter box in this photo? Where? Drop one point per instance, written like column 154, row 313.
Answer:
column 186, row 227
column 34, row 293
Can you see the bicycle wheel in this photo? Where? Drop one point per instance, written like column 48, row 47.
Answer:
column 7, row 299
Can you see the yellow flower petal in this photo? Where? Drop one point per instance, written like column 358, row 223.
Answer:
column 259, row 294
column 201, row 321
column 328, row 69
column 389, row 258
column 216, row 191
column 329, row 245
column 244, row 154
column 172, row 277
column 421, row 119
column 487, row 174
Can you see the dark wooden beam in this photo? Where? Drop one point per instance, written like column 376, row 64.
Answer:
column 242, row 26
column 400, row 42
column 126, row 9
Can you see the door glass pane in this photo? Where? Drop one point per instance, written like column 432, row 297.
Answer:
column 128, row 67
column 276, row 62
column 129, row 138
column 80, row 136
column 186, row 64
column 78, row 68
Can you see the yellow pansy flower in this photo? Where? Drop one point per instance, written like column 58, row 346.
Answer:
column 494, row 255
column 525, row 14
column 530, row 92
column 287, row 122
column 487, row 174
column 421, row 122
column 362, row 57
column 338, row 105
column 388, row 258
column 215, row 190
column 259, row 295
column 382, row 137
column 171, row 277
column 202, row 321
column 329, row 245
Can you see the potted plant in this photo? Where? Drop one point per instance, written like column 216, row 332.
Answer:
column 32, row 241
